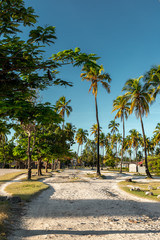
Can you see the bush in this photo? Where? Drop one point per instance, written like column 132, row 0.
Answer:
column 154, row 164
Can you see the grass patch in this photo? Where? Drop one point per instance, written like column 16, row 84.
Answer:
column 26, row 190
column 126, row 186
column 4, row 215
column 10, row 176
column 94, row 175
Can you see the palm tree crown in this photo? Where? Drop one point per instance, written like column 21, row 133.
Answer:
column 94, row 131
column 113, row 126
column 95, row 76
column 81, row 136
column 140, row 98
column 122, row 106
column 157, row 134
column 63, row 107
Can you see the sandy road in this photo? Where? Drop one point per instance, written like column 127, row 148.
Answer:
column 87, row 209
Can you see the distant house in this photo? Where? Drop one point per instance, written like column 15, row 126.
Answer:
column 133, row 167
column 141, row 163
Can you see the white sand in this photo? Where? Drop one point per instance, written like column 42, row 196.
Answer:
column 88, row 209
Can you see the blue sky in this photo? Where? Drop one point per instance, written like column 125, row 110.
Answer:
column 124, row 33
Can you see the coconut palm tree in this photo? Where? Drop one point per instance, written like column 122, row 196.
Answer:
column 130, row 154
column 134, row 140
column 113, row 125
column 157, row 133
column 156, row 136
column 119, row 141
column 95, row 76
column 63, row 107
column 94, row 131
column 149, row 146
column 121, row 105
column 108, row 142
column 81, row 137
column 140, row 99
column 102, row 139
column 152, row 80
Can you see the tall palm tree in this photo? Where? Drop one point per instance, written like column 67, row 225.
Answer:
column 94, row 131
column 152, row 80
column 134, row 141
column 114, row 143
column 119, row 140
column 63, row 107
column 95, row 76
column 108, row 142
column 102, row 139
column 140, row 99
column 130, row 154
column 157, row 133
column 81, row 137
column 121, row 105
column 150, row 146
column 156, row 136
column 113, row 125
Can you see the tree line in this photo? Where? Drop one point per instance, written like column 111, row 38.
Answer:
column 24, row 71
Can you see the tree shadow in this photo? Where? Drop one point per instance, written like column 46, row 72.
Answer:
column 113, row 206
column 32, row 233
column 46, row 206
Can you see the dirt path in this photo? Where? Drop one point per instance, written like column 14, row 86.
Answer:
column 88, row 209
column 3, row 186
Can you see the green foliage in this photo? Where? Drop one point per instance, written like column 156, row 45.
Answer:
column 89, row 153
column 110, row 162
column 154, row 164
column 76, row 57
column 143, row 189
column 113, row 125
column 10, row 176
column 22, row 66
column 4, row 217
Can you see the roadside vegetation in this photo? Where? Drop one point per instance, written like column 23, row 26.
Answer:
column 11, row 176
column 26, row 190
column 139, row 189
column 4, row 216
column 42, row 137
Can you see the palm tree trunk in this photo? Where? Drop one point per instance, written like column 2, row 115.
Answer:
column 77, row 154
column 145, row 151
column 98, row 163
column 102, row 159
column 136, row 160
column 63, row 121
column 122, row 145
